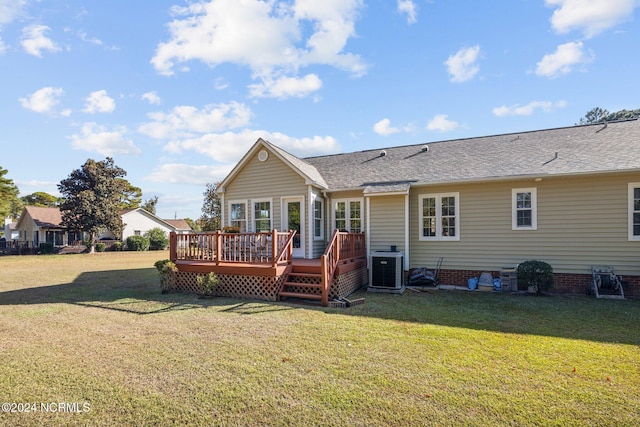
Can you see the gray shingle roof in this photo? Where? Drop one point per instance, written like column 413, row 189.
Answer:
column 569, row 150
column 304, row 167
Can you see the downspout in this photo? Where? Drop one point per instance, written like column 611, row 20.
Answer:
column 367, row 239
column 222, row 207
column 406, row 232
column 309, row 241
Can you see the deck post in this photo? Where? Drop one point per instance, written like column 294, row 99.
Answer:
column 274, row 246
column 173, row 246
column 218, row 247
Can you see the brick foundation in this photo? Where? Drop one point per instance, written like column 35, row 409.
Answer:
column 565, row 283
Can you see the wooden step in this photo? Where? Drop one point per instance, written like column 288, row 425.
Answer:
column 303, row 285
column 318, row 275
column 300, row 295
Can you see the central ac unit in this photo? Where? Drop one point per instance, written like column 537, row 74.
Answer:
column 386, row 270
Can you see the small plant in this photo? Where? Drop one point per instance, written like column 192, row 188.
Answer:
column 167, row 269
column 117, row 246
column 231, row 229
column 538, row 275
column 137, row 243
column 208, row 284
column 100, row 247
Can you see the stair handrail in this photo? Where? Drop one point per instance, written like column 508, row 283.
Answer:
column 286, row 251
column 328, row 265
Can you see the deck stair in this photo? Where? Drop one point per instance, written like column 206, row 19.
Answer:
column 304, row 282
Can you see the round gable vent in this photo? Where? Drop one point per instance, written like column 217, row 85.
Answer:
column 263, row 155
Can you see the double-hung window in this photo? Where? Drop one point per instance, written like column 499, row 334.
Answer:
column 524, row 210
column 347, row 215
column 318, row 223
column 439, row 216
column 262, row 215
column 634, row 211
column 238, row 215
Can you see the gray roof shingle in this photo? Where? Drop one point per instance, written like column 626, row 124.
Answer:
column 570, row 150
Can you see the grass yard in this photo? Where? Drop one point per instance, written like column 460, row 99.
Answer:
column 94, row 334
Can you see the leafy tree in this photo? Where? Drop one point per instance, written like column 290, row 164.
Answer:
column 149, row 205
column 40, row 198
column 600, row 115
column 211, row 209
column 92, row 197
column 130, row 195
column 193, row 224
column 10, row 204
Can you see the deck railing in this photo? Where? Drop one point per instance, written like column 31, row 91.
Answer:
column 342, row 247
column 218, row 247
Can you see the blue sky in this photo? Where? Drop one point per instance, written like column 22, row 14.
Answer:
column 176, row 92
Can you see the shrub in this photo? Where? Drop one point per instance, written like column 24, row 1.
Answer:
column 46, row 248
column 167, row 269
column 158, row 239
column 137, row 243
column 208, row 284
column 537, row 275
column 117, row 246
column 100, row 247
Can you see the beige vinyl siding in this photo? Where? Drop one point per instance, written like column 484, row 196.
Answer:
column 582, row 221
column 387, row 222
column 318, row 246
column 270, row 180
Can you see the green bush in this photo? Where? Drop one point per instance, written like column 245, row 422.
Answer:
column 167, row 270
column 137, row 243
column 158, row 239
column 100, row 247
column 117, row 246
column 46, row 248
column 537, row 275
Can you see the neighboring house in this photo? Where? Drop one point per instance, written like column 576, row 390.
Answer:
column 10, row 231
column 40, row 224
column 180, row 225
column 43, row 225
column 569, row 196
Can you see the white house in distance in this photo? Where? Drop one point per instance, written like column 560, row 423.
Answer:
column 42, row 224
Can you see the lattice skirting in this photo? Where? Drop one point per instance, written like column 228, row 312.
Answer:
column 258, row 287
column 346, row 284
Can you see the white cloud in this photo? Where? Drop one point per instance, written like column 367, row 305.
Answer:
column 462, row 66
column 151, row 98
column 187, row 121
column 43, row 100
column 3, row 46
column 527, row 110
column 224, row 31
column 99, row 102
column 285, row 87
column 441, row 122
column 99, row 139
column 10, row 9
column 229, row 147
column 410, row 8
column 34, row 40
column 384, row 128
column 563, row 60
column 179, row 173
column 589, row 16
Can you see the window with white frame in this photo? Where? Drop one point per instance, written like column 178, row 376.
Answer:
column 318, row 223
column 439, row 216
column 524, row 210
column 347, row 215
column 634, row 211
column 262, row 215
column 238, row 215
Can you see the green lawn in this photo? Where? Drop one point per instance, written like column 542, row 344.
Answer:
column 93, row 332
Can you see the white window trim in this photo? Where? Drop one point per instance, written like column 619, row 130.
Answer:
column 534, row 208
column 348, row 212
column 632, row 186
column 246, row 211
column 438, row 236
column 313, row 225
column 253, row 213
